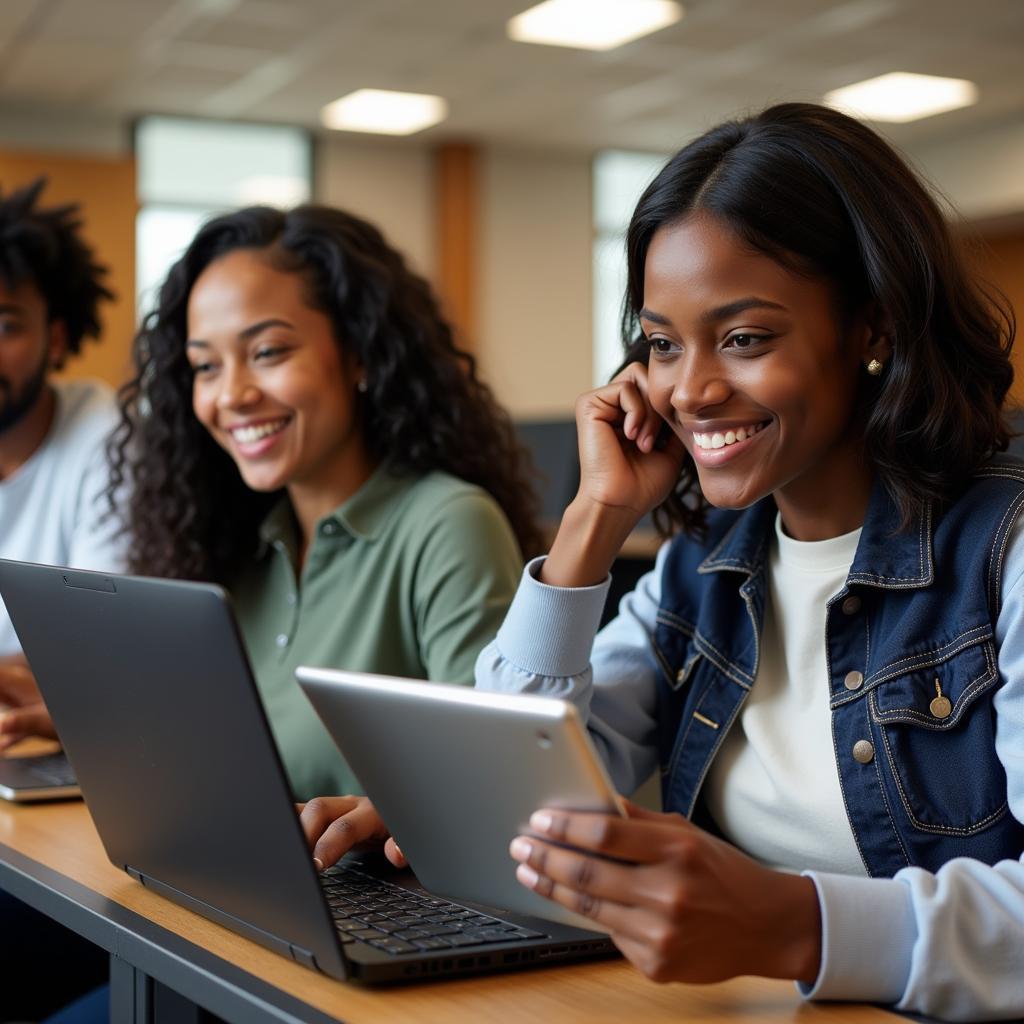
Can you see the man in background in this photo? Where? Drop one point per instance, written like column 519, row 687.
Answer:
column 53, row 469
column 53, row 478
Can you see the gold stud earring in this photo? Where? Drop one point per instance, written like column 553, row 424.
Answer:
column 875, row 367
column 362, row 386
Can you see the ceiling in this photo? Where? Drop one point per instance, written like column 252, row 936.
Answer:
column 281, row 60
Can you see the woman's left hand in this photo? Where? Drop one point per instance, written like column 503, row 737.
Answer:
column 679, row 903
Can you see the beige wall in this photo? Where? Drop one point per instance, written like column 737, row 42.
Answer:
column 535, row 345
column 533, row 339
column 391, row 185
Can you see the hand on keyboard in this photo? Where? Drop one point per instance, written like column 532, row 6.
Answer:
column 22, row 711
column 336, row 824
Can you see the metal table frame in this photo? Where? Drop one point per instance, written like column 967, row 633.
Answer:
column 156, row 976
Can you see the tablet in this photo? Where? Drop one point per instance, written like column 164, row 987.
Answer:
column 455, row 774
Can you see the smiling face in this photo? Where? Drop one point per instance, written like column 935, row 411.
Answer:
column 753, row 368
column 271, row 384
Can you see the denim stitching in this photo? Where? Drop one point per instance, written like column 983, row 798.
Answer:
column 935, row 655
column 888, row 806
column 666, row 618
column 663, row 663
column 876, row 679
column 944, row 830
column 722, row 663
column 846, row 806
column 978, row 685
column 996, row 590
column 722, row 732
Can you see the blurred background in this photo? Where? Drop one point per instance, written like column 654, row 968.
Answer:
column 512, row 190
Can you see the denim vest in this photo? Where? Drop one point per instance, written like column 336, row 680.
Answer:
column 919, row 776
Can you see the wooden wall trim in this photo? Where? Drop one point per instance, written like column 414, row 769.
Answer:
column 104, row 188
column 457, row 170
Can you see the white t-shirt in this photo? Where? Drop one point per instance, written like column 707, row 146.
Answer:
column 774, row 787
column 52, row 508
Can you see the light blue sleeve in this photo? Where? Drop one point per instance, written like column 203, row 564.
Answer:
column 949, row 944
column 547, row 645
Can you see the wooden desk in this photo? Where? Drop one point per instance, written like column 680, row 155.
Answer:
column 51, row 857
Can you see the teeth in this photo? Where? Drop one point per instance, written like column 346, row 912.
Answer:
column 723, row 440
column 249, row 435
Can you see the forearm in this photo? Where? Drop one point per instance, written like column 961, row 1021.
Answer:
column 589, row 538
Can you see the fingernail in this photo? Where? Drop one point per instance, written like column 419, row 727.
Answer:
column 527, row 876
column 318, row 864
column 520, row 848
column 540, row 821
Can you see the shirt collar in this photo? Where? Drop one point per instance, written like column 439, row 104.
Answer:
column 886, row 557
column 363, row 516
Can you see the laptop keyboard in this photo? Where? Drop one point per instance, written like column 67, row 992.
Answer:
column 52, row 769
column 399, row 920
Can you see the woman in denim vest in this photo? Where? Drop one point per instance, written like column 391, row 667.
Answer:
column 826, row 663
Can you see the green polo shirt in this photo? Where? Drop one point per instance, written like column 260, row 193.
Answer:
column 409, row 577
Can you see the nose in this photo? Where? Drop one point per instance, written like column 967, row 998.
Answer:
column 700, row 384
column 237, row 387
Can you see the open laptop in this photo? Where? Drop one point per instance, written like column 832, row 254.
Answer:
column 32, row 778
column 152, row 695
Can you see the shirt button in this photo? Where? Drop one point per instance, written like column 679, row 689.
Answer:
column 851, row 605
column 282, row 640
column 863, row 752
column 853, row 680
column 329, row 529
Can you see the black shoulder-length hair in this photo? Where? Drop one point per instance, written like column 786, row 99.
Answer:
column 190, row 515
column 826, row 196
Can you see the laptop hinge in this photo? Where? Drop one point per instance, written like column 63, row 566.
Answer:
column 303, row 956
column 137, row 875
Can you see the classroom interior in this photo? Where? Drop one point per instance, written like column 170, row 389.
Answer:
column 154, row 114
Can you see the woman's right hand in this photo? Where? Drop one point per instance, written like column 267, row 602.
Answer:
column 623, row 475
column 336, row 824
column 620, row 467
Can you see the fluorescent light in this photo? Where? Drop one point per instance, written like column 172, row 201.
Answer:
column 592, row 24
column 384, row 112
column 901, row 96
column 272, row 190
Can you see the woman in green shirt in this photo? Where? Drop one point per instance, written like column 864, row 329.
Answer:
column 302, row 429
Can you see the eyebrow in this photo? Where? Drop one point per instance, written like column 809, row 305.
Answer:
column 247, row 333
column 718, row 313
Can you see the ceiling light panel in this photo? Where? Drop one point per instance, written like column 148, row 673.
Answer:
column 901, row 96
column 592, row 24
column 383, row 112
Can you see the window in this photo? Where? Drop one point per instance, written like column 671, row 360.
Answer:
column 619, row 179
column 189, row 170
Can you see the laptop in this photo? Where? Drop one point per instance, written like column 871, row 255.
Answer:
column 32, row 778
column 153, row 697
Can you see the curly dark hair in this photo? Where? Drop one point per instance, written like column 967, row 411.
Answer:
column 190, row 515
column 45, row 247
column 824, row 195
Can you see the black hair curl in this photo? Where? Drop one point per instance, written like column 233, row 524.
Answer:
column 825, row 195
column 190, row 514
column 45, row 248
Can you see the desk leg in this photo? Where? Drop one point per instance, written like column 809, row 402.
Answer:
column 135, row 998
column 131, row 994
